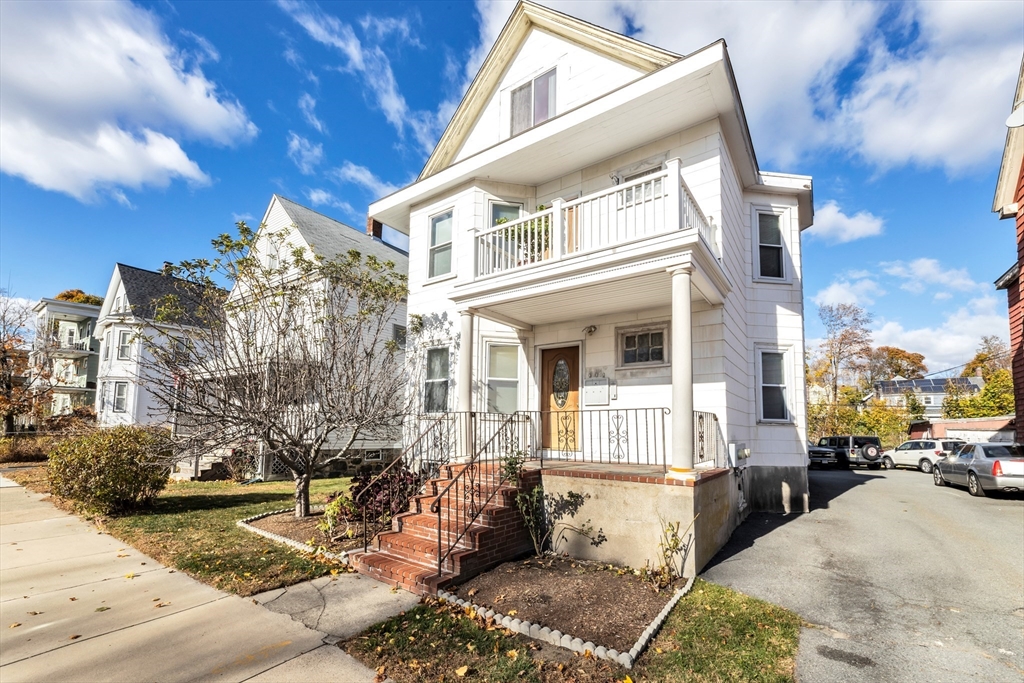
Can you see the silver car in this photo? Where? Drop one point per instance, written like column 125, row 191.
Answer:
column 983, row 467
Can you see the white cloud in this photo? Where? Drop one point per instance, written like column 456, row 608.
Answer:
column 927, row 273
column 236, row 217
column 818, row 76
column 297, row 63
column 308, row 107
column 305, row 154
column 849, row 290
column 373, row 67
column 835, row 227
column 381, row 28
column 96, row 99
column 942, row 296
column 318, row 197
column 207, row 52
column 955, row 340
column 363, row 177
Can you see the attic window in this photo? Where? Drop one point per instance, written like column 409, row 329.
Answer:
column 533, row 102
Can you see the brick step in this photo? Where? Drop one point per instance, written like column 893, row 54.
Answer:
column 396, row 571
column 503, row 497
column 416, row 549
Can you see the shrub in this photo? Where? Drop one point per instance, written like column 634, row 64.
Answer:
column 25, row 448
column 111, row 470
column 385, row 496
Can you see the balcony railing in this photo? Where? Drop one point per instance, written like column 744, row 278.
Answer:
column 651, row 205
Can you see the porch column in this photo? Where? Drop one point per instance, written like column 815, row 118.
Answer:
column 682, row 375
column 465, row 383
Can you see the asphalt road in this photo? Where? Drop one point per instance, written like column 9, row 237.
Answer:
column 896, row 579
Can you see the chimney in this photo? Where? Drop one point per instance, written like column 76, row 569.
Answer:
column 374, row 228
column 166, row 268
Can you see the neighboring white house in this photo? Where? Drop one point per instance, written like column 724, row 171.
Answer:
column 127, row 314
column 593, row 245
column 929, row 392
column 64, row 355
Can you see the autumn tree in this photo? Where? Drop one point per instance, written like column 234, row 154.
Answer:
column 299, row 358
column 992, row 355
column 16, row 335
column 77, row 296
column 888, row 362
column 994, row 400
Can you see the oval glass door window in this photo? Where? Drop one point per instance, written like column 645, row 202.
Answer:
column 560, row 382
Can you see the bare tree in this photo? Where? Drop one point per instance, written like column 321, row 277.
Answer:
column 298, row 359
column 17, row 332
column 847, row 342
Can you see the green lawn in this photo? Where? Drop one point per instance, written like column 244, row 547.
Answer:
column 713, row 635
column 192, row 528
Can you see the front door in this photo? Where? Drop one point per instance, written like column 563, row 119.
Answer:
column 560, row 398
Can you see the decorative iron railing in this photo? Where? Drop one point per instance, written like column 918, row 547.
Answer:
column 709, row 445
column 650, row 205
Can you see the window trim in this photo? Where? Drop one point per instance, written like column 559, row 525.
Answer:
column 124, row 405
column 431, row 247
column 447, row 380
column 532, row 83
column 755, row 232
column 788, row 394
column 620, row 345
column 491, row 203
column 107, row 338
column 127, row 344
column 402, row 339
column 487, row 374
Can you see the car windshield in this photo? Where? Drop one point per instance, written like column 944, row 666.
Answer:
column 951, row 445
column 1001, row 451
column 859, row 441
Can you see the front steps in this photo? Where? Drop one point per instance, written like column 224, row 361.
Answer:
column 406, row 556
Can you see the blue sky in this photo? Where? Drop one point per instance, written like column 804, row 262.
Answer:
column 137, row 132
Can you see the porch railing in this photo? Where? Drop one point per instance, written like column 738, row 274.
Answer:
column 618, row 436
column 647, row 206
column 709, row 447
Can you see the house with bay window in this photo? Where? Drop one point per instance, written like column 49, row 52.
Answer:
column 603, row 279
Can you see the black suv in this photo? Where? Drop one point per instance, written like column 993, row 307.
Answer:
column 854, row 450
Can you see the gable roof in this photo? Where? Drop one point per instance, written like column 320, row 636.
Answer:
column 1012, row 166
column 526, row 16
column 143, row 288
column 329, row 238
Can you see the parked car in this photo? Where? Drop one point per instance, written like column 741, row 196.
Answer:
column 920, row 453
column 854, row 450
column 820, row 455
column 983, row 467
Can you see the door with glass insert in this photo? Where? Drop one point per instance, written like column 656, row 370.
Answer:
column 560, row 398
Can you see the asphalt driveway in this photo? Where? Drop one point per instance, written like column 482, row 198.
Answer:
column 898, row 580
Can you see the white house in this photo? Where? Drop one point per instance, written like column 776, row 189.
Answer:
column 63, row 357
column 594, row 245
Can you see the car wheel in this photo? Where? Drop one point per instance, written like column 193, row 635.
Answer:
column 842, row 462
column 974, row 486
column 888, row 463
column 937, row 477
column 925, row 465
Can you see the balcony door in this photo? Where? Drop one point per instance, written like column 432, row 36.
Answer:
column 560, row 398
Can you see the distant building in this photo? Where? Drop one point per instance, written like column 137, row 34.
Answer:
column 65, row 355
column 970, row 429
column 929, row 392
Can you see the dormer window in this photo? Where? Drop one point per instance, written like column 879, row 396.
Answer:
column 533, row 102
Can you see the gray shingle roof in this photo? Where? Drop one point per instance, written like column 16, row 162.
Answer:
column 142, row 289
column 329, row 238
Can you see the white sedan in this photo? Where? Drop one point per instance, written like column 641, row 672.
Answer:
column 920, row 453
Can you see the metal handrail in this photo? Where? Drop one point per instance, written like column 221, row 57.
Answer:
column 435, row 506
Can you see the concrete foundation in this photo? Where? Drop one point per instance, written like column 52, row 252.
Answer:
column 777, row 489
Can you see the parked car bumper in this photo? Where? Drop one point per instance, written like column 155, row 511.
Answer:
column 1004, row 483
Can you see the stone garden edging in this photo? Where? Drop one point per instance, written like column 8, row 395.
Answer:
column 559, row 639
column 303, row 547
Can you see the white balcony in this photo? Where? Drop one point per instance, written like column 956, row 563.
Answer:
column 618, row 243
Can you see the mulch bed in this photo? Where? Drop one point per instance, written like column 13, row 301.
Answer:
column 603, row 604
column 304, row 530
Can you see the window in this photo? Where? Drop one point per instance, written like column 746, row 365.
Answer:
column 117, row 305
column 643, row 347
column 435, row 389
column 103, row 396
column 508, row 212
column 120, row 396
column 769, row 232
column 533, row 102
column 502, row 379
column 123, row 345
column 773, row 386
column 441, row 244
column 106, row 346
column 179, row 350
column 927, row 400
column 71, row 336
column 398, row 335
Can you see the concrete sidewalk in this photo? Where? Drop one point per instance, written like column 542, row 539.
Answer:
column 82, row 619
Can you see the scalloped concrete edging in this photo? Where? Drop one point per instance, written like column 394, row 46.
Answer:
column 304, row 547
column 559, row 639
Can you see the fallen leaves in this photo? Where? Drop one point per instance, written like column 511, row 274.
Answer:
column 130, row 575
column 512, row 654
column 14, row 625
column 462, row 671
column 72, row 599
column 33, row 614
column 102, row 609
column 75, row 637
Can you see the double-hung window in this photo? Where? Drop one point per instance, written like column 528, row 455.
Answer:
column 533, row 102
column 120, row 396
column 435, row 386
column 502, row 378
column 769, row 246
column 106, row 346
column 773, row 387
column 440, row 244
column 398, row 335
column 124, row 345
